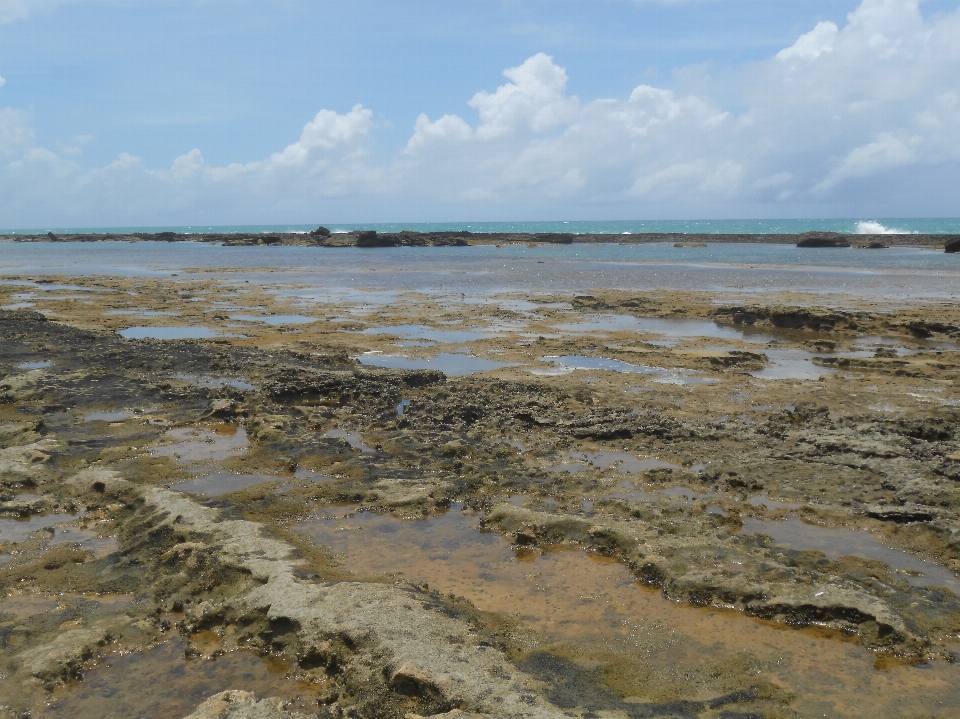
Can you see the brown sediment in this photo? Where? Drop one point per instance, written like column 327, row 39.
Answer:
column 679, row 436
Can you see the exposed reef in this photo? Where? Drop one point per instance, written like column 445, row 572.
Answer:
column 412, row 238
column 642, row 509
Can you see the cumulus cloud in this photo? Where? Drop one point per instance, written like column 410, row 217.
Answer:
column 817, row 126
column 813, row 44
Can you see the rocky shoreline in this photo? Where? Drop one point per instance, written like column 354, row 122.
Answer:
column 160, row 491
column 409, row 238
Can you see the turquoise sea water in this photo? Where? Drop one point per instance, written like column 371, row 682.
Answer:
column 616, row 227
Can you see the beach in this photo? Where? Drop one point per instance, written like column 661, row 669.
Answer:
column 517, row 475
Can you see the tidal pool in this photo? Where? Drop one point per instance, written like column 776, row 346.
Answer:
column 160, row 683
column 627, row 463
column 214, row 484
column 836, row 543
column 35, row 365
column 16, row 529
column 422, row 332
column 214, row 442
column 351, row 438
column 564, row 364
column 276, row 319
column 763, row 500
column 452, row 365
column 668, row 328
column 791, row 364
column 593, row 603
column 118, row 416
column 86, row 540
column 197, row 332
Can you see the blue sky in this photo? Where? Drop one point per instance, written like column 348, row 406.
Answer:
column 231, row 111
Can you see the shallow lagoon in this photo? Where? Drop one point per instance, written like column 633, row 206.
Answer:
column 896, row 272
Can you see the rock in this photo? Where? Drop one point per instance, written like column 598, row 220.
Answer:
column 370, row 238
column 235, row 704
column 25, row 507
column 901, row 514
column 62, row 659
column 387, row 626
column 103, row 482
column 320, row 232
column 223, row 409
column 872, row 246
column 52, row 237
column 556, row 238
column 952, row 246
column 24, row 460
column 822, row 239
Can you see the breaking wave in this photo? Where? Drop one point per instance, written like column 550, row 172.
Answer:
column 869, row 227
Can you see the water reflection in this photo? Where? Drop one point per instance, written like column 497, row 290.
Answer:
column 836, row 543
column 594, row 603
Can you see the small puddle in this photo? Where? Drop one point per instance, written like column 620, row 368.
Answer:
column 308, row 475
column 836, row 543
column 198, row 332
column 160, row 683
column 215, row 443
column 35, row 365
column 422, row 332
column 627, row 490
column 594, row 602
column 674, row 329
column 763, row 500
column 402, row 407
column 276, row 319
column 28, row 605
column 87, row 540
column 564, row 364
column 791, row 364
column 452, row 365
column 15, row 529
column 144, row 313
column 108, row 416
column 351, row 438
column 217, row 483
column 628, row 462
column 570, row 468
column 580, row 362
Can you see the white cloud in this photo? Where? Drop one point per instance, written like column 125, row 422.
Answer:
column 822, row 124
column 884, row 153
column 3, row 81
column 534, row 102
column 812, row 45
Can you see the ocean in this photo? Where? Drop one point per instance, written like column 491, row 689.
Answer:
column 894, row 273
column 867, row 226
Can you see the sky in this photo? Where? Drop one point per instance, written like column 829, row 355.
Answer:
column 179, row 112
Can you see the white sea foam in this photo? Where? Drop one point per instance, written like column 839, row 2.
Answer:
column 875, row 228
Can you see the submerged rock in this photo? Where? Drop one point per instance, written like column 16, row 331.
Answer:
column 235, row 704
column 822, row 239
